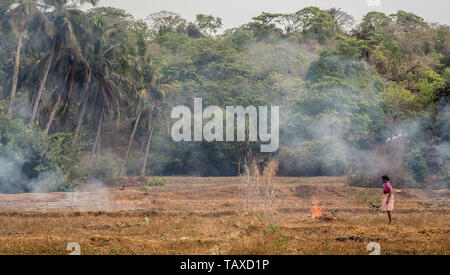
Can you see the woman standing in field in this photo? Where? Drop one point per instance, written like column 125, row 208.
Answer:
column 387, row 200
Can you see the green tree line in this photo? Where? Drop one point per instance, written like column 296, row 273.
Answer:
column 88, row 94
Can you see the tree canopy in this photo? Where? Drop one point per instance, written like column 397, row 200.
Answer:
column 88, row 93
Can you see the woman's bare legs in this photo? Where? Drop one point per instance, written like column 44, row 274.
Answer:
column 389, row 215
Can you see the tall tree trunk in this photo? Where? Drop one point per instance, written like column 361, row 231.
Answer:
column 12, row 98
column 58, row 100
column 148, row 148
column 99, row 148
column 83, row 110
column 66, row 104
column 53, row 113
column 69, row 94
column 136, row 123
column 97, row 137
column 43, row 81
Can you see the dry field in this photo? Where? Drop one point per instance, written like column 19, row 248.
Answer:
column 191, row 215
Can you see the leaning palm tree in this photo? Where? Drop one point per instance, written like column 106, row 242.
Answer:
column 159, row 92
column 140, row 107
column 138, row 70
column 17, row 15
column 152, row 121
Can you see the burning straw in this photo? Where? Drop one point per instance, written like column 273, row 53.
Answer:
column 318, row 214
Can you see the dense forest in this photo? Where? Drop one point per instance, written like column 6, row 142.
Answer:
column 88, row 94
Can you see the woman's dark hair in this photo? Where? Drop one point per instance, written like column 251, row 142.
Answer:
column 385, row 177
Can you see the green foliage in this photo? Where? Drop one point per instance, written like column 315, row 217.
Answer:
column 331, row 67
column 352, row 48
column 340, row 92
column 417, row 164
column 106, row 169
column 317, row 24
column 33, row 161
column 313, row 158
column 388, row 57
column 264, row 26
column 156, row 181
column 429, row 87
column 372, row 23
column 66, row 148
column 398, row 102
column 271, row 229
column 408, row 19
column 279, row 239
column 208, row 23
column 153, row 182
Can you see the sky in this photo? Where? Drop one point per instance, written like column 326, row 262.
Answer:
column 237, row 12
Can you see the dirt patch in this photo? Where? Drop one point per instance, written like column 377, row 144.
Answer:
column 193, row 215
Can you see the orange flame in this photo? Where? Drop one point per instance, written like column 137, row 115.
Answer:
column 317, row 213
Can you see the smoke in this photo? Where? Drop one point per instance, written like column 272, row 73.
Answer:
column 331, row 140
column 336, row 126
column 14, row 179
column 46, row 181
column 92, row 197
column 11, row 176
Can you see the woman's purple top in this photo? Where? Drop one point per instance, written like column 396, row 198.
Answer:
column 386, row 187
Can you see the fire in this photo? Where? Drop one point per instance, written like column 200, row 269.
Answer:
column 315, row 210
column 318, row 214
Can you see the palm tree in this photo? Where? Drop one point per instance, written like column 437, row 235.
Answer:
column 140, row 106
column 107, row 99
column 141, row 71
column 17, row 15
column 154, row 115
column 67, row 24
column 158, row 93
column 105, row 83
column 70, row 66
column 109, row 59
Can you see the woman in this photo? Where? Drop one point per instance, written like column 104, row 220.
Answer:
column 387, row 201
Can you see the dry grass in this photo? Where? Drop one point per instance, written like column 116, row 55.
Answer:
column 209, row 216
column 256, row 189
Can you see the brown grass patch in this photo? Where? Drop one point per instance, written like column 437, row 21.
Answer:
column 209, row 216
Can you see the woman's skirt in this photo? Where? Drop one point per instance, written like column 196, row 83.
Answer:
column 387, row 207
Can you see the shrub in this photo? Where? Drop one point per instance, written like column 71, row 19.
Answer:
column 31, row 161
column 105, row 169
column 156, row 181
column 66, row 147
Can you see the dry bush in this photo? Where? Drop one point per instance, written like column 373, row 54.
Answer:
column 268, row 175
column 258, row 188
